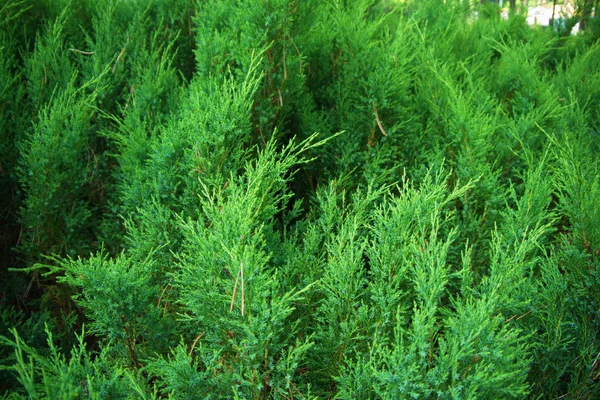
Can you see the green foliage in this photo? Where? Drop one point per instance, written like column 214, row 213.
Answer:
column 49, row 67
column 162, row 184
column 55, row 168
column 224, row 263
column 12, row 122
column 60, row 377
column 118, row 297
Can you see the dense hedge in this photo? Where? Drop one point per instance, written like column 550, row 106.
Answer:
column 297, row 199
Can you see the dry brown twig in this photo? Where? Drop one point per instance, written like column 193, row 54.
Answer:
column 87, row 53
column 378, row 120
column 240, row 276
column 195, row 341
column 120, row 55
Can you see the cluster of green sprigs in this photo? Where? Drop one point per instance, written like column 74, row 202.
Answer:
column 297, row 199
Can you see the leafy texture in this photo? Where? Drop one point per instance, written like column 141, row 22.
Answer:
column 297, row 199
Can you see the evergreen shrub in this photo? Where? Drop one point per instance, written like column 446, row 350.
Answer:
column 297, row 199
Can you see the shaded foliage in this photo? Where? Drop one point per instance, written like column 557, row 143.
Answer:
column 297, row 199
